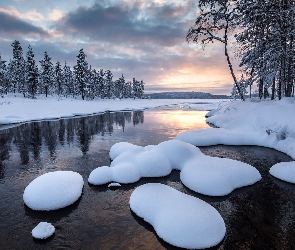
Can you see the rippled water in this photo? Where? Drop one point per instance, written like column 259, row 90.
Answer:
column 257, row 217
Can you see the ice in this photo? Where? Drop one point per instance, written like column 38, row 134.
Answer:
column 203, row 174
column 284, row 171
column 179, row 219
column 53, row 190
column 43, row 230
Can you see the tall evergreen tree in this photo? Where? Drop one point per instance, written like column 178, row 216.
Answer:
column 31, row 74
column 3, row 78
column 47, row 74
column 68, row 81
column 18, row 68
column 58, row 79
column 81, row 71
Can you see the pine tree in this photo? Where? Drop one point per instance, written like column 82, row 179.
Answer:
column 137, row 88
column 3, row 78
column 108, row 84
column 81, row 71
column 47, row 74
column 18, row 68
column 68, row 81
column 58, row 79
column 31, row 74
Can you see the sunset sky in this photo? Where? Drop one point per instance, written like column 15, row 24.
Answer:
column 141, row 39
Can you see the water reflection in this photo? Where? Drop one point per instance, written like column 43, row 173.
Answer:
column 30, row 138
column 260, row 216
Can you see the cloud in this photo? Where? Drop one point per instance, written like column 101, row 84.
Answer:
column 128, row 23
column 11, row 25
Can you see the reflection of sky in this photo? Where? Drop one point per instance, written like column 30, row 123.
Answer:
column 141, row 39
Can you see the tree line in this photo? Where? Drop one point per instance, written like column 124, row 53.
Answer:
column 22, row 75
column 263, row 34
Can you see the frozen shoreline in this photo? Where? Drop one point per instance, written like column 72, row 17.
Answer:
column 14, row 110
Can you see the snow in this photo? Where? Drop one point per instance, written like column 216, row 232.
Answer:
column 114, row 184
column 179, row 219
column 53, row 190
column 43, row 230
column 19, row 109
column 284, row 171
column 266, row 123
column 269, row 123
column 203, row 174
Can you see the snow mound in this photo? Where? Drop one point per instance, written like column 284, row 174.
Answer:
column 179, row 219
column 202, row 174
column 217, row 176
column 53, row 190
column 284, row 171
column 216, row 136
column 43, row 230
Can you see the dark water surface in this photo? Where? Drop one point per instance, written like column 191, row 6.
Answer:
column 261, row 216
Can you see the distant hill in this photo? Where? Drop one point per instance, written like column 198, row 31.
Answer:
column 184, row 95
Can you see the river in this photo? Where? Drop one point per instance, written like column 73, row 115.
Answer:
column 261, row 216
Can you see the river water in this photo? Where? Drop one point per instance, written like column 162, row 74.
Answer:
column 261, row 216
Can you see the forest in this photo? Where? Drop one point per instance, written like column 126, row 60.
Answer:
column 260, row 34
column 22, row 75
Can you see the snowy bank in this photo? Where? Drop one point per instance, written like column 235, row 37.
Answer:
column 179, row 219
column 53, row 190
column 20, row 109
column 265, row 123
column 200, row 173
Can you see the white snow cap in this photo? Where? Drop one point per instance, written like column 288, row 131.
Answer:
column 179, row 219
column 43, row 230
column 53, row 190
column 284, row 171
column 203, row 174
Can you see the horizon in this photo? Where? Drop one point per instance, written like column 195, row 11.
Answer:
column 142, row 40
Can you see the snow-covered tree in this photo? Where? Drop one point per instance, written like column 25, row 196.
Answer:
column 17, row 68
column 119, row 86
column 137, row 88
column 108, row 85
column 68, row 81
column 47, row 75
column 31, row 74
column 58, row 74
column 3, row 78
column 81, row 72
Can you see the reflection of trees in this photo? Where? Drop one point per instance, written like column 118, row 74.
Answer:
column 29, row 137
column 138, row 117
column 50, row 132
column 36, row 140
column 5, row 140
column 22, row 139
column 84, row 134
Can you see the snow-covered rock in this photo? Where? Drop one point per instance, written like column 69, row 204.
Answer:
column 43, row 230
column 203, row 174
column 53, row 190
column 284, row 171
column 217, row 176
column 179, row 219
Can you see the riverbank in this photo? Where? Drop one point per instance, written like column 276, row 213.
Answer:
column 262, row 123
column 16, row 109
